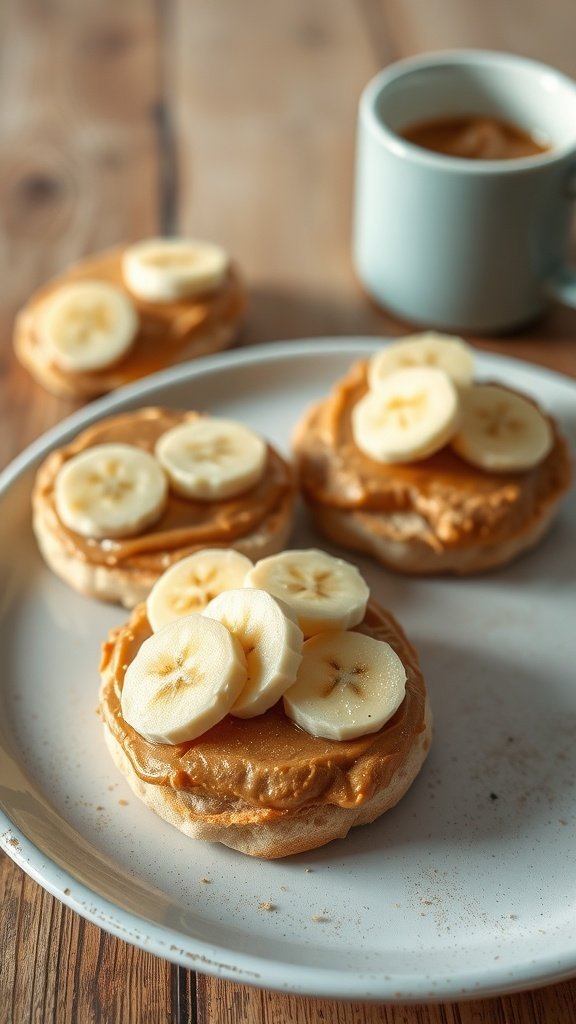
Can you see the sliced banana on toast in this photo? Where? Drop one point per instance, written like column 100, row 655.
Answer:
column 190, row 584
column 110, row 490
column 88, row 325
column 170, row 269
column 325, row 592
column 211, row 459
column 271, row 640
column 413, row 414
column 183, row 680
column 442, row 351
column 348, row 685
column 500, row 430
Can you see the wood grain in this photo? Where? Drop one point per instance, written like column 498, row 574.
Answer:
column 250, row 136
column 236, row 122
column 225, row 1001
column 78, row 128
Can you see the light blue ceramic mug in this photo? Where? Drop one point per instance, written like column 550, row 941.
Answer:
column 462, row 244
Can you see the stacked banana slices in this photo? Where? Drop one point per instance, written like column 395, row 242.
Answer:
column 118, row 490
column 230, row 637
column 89, row 325
column 421, row 396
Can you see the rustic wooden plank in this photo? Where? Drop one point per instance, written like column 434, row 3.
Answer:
column 229, row 1003
column 59, row 968
column 79, row 126
column 534, row 30
column 79, row 168
column 243, row 130
column 264, row 112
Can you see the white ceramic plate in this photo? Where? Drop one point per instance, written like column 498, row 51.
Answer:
column 468, row 887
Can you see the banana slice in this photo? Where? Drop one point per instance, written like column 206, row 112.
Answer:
column 189, row 585
column 453, row 355
column 414, row 413
column 271, row 640
column 500, row 430
column 183, row 680
column 348, row 685
column 110, row 490
column 168, row 269
column 211, row 459
column 325, row 592
column 87, row 325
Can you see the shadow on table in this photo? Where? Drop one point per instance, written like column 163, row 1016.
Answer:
column 278, row 314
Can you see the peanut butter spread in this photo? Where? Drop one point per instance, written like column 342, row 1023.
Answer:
column 444, row 499
column 165, row 329
column 267, row 761
column 185, row 524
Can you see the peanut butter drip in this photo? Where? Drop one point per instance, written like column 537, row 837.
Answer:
column 185, row 525
column 164, row 328
column 454, row 502
column 267, row 761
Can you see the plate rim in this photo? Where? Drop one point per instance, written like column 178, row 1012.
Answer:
column 265, row 352
column 165, row 941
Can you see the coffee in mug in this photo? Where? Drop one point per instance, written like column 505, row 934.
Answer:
column 475, row 138
column 467, row 244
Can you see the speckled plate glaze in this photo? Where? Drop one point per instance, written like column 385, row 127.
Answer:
column 467, row 888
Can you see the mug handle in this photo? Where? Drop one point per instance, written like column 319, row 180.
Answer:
column 561, row 285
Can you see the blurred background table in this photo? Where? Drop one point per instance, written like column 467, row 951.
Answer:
column 236, row 122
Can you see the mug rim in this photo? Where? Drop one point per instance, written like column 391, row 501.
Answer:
column 462, row 57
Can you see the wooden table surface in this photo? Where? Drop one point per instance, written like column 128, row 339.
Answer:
column 233, row 121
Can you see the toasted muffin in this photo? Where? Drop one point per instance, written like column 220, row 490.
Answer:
column 480, row 486
column 114, row 317
column 327, row 745
column 77, row 528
